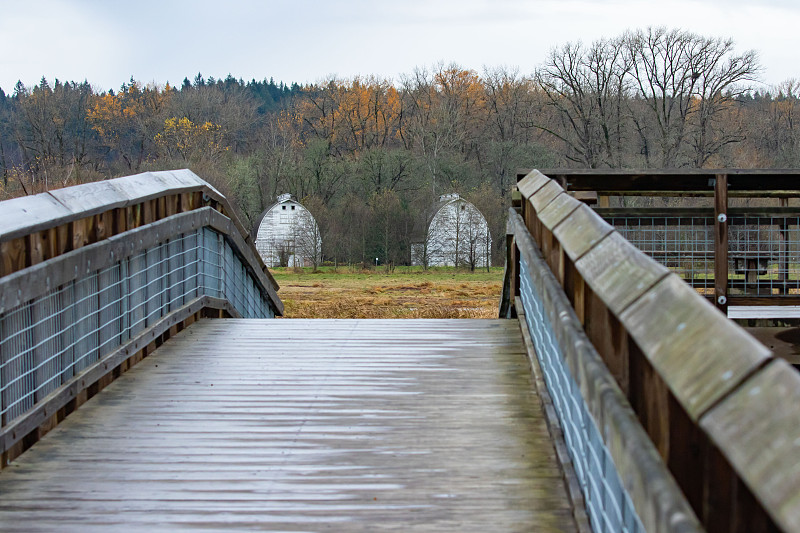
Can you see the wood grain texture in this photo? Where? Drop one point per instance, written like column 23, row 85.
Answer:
column 656, row 496
column 90, row 198
column 304, row 425
column 608, row 336
column 531, row 183
column 580, row 231
column 30, row 213
column 619, row 273
column 698, row 352
column 649, row 398
column 554, row 424
column 558, row 210
column 757, row 429
column 141, row 187
column 13, row 255
column 545, row 195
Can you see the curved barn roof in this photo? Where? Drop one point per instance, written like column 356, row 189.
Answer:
column 420, row 230
column 279, row 200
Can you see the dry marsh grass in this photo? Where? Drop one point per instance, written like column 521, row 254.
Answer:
column 404, row 293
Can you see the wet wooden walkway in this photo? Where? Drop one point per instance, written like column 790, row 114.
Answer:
column 304, row 425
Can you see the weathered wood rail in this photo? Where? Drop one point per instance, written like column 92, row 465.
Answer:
column 691, row 409
column 94, row 277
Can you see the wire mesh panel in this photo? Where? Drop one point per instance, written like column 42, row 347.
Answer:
column 763, row 251
column 154, row 284
column 175, row 274
column 66, row 344
column 109, row 299
column 239, row 287
column 763, row 255
column 45, row 342
column 685, row 245
column 212, row 262
column 230, row 274
column 136, row 284
column 46, row 328
column 86, row 323
column 190, row 272
column 608, row 504
column 16, row 362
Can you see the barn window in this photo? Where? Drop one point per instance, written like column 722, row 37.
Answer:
column 283, row 207
column 292, row 208
column 463, row 207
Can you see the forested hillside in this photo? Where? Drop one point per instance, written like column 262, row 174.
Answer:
column 369, row 155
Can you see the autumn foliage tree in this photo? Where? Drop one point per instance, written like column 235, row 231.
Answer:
column 126, row 121
column 180, row 137
column 375, row 153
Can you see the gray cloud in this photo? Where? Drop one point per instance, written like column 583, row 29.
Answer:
column 305, row 40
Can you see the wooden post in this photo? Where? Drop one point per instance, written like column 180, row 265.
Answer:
column 511, row 274
column 515, row 282
column 516, row 200
column 783, row 252
column 721, row 242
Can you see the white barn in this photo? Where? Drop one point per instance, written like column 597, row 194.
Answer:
column 286, row 234
column 455, row 234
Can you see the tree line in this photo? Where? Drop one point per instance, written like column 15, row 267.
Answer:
column 369, row 155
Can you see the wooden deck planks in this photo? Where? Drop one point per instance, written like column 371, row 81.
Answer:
column 304, row 425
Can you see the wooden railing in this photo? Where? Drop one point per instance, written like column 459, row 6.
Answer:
column 751, row 222
column 715, row 404
column 93, row 278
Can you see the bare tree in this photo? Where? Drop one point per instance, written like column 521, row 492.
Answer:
column 476, row 241
column 685, row 81
column 774, row 128
column 587, row 87
column 381, row 169
column 494, row 210
column 508, row 131
column 307, row 240
column 283, row 250
column 442, row 118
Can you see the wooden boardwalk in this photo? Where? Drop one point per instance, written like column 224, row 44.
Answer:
column 304, row 425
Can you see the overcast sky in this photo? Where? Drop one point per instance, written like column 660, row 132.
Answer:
column 106, row 42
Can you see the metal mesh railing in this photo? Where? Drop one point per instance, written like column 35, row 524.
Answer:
column 48, row 340
column 684, row 245
column 764, row 256
column 763, row 252
column 608, row 504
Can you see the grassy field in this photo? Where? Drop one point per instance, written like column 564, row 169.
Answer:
column 408, row 292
